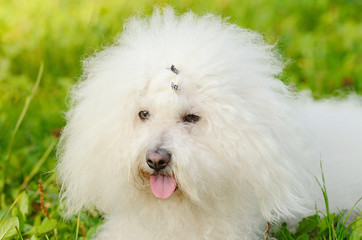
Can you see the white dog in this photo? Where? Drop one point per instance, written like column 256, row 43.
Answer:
column 182, row 130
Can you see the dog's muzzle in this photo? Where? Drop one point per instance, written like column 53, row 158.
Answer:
column 162, row 183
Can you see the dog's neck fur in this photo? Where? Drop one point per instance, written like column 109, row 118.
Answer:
column 152, row 218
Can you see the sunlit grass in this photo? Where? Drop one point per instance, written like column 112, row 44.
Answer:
column 322, row 39
column 325, row 225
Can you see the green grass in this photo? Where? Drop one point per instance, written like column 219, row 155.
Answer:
column 326, row 226
column 42, row 44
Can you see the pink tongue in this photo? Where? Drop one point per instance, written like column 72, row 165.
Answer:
column 162, row 186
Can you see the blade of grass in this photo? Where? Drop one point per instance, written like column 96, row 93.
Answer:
column 340, row 226
column 19, row 234
column 331, row 229
column 12, row 205
column 39, row 164
column 77, row 230
column 18, row 123
column 349, row 213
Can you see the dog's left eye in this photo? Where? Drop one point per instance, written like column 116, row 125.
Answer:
column 144, row 115
column 191, row 118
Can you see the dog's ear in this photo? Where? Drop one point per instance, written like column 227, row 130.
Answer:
column 90, row 149
column 86, row 152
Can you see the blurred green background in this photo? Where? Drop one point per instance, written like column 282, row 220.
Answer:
column 322, row 39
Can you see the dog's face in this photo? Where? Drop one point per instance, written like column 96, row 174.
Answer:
column 192, row 113
column 165, row 123
column 175, row 136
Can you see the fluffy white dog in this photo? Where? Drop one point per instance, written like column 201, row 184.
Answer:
column 182, row 130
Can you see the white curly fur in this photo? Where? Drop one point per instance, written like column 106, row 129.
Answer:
column 250, row 159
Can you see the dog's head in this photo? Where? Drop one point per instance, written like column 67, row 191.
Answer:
column 182, row 107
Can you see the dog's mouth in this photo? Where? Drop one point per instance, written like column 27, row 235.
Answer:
column 162, row 186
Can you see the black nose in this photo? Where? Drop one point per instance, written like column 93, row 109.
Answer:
column 158, row 159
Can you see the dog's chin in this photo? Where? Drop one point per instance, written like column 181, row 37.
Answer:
column 162, row 184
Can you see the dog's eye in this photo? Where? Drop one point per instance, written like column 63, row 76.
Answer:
column 191, row 118
column 144, row 115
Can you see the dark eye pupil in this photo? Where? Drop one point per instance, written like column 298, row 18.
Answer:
column 191, row 118
column 143, row 115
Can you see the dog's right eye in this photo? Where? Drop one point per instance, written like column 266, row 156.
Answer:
column 144, row 115
column 191, row 118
